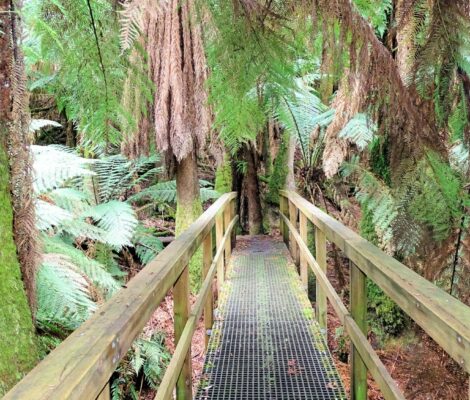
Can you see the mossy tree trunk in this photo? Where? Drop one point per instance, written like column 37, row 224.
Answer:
column 246, row 183
column 18, row 352
column 188, row 209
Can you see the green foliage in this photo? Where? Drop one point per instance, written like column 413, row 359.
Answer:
column 277, row 180
column 147, row 359
column 384, row 316
column 376, row 12
column 147, row 245
column 360, row 130
column 165, row 192
column 73, row 52
column 245, row 62
column 63, row 294
column 223, row 177
column 437, row 181
column 379, row 158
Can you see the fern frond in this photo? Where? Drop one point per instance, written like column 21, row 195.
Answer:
column 117, row 219
column 95, row 271
column 146, row 244
column 63, row 295
column 360, row 130
column 37, row 124
column 54, row 165
column 49, row 215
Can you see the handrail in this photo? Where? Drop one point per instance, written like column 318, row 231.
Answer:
column 443, row 317
column 81, row 366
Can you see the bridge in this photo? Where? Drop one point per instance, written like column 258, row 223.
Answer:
column 265, row 342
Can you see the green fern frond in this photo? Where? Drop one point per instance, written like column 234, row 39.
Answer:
column 63, row 295
column 95, row 271
column 54, row 165
column 49, row 215
column 147, row 244
column 117, row 219
column 360, row 130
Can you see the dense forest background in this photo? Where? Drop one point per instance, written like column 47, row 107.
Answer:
column 120, row 121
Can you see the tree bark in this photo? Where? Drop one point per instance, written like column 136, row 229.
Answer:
column 290, row 178
column 18, row 352
column 188, row 209
column 251, row 192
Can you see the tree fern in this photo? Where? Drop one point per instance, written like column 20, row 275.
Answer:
column 117, row 219
column 63, row 295
column 147, row 244
column 95, row 271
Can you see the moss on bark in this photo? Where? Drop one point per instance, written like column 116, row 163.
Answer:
column 223, row 177
column 186, row 214
column 18, row 352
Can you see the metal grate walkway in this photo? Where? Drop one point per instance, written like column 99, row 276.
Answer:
column 265, row 343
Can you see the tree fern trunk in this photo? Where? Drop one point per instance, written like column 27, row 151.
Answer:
column 17, row 343
column 188, row 209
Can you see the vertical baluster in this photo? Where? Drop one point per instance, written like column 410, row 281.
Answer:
column 303, row 259
column 358, row 299
column 181, row 310
column 293, row 217
column 233, row 205
column 321, row 302
column 219, row 234
column 206, row 264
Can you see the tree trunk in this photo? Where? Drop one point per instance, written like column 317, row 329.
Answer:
column 290, row 178
column 17, row 343
column 188, row 209
column 251, row 192
column 405, row 46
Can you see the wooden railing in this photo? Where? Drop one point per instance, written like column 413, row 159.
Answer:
column 81, row 366
column 443, row 317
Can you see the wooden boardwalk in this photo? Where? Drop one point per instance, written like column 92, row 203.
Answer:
column 266, row 343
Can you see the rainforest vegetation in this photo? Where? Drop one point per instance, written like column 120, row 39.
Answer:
column 122, row 120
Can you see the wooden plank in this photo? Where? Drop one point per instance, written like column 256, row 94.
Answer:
column 209, row 304
column 320, row 296
column 170, row 377
column 105, row 393
column 83, row 363
column 219, row 233
column 386, row 383
column 424, row 302
column 181, row 310
column 293, row 247
column 303, row 231
column 358, row 301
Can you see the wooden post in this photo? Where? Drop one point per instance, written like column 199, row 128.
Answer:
column 320, row 295
column 206, row 264
column 358, row 300
column 294, row 248
column 181, row 310
column 219, row 234
column 284, row 210
column 303, row 259
column 233, row 205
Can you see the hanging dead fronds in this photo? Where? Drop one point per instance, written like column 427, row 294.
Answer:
column 177, row 67
column 404, row 117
